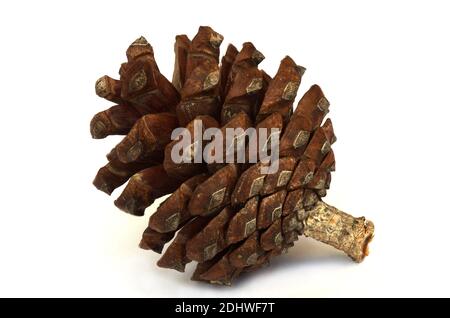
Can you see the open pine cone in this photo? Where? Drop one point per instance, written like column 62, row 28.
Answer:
column 228, row 217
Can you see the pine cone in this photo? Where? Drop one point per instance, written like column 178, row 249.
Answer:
column 228, row 217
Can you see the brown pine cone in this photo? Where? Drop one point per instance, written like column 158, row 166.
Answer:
column 229, row 217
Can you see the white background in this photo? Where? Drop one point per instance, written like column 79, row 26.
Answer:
column 384, row 65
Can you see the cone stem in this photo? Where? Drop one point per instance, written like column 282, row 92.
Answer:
column 329, row 225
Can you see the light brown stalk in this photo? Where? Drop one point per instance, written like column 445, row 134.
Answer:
column 347, row 233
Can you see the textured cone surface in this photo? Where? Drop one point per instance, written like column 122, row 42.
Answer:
column 252, row 216
column 230, row 218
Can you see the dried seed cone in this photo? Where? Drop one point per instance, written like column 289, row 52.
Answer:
column 230, row 218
